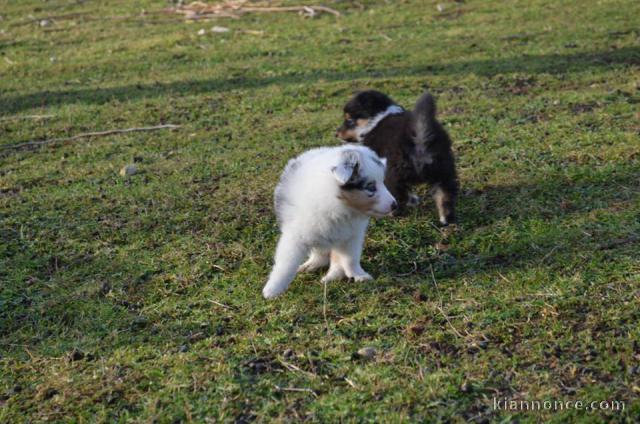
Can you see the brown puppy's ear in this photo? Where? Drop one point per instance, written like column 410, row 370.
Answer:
column 347, row 167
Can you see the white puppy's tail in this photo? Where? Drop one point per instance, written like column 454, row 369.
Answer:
column 289, row 255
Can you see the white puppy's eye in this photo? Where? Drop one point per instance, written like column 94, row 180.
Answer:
column 370, row 189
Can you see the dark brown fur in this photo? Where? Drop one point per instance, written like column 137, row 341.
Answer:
column 417, row 148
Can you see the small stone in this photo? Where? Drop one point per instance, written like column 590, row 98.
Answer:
column 466, row 387
column 105, row 288
column 442, row 246
column 128, row 170
column 219, row 29
column 196, row 337
column 418, row 296
column 202, row 32
column 76, row 355
column 473, row 349
column 184, row 348
column 415, row 329
column 366, row 352
column 45, row 23
column 48, row 393
column 15, row 390
column 140, row 322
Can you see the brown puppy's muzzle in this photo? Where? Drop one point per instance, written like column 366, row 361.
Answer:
column 348, row 135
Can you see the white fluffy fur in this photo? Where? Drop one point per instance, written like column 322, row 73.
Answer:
column 315, row 223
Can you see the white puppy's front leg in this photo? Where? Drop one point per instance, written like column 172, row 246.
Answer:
column 289, row 254
column 350, row 254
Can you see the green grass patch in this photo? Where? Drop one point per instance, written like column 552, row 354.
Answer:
column 139, row 299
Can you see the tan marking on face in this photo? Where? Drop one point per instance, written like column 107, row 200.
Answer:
column 362, row 122
column 358, row 200
column 347, row 116
column 348, row 134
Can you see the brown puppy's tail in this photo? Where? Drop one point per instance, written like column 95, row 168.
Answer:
column 424, row 120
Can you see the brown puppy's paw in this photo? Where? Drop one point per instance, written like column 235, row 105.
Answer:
column 414, row 200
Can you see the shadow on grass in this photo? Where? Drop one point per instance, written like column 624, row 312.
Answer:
column 556, row 206
column 55, row 316
column 549, row 63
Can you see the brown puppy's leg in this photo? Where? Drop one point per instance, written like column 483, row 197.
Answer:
column 445, row 194
column 400, row 192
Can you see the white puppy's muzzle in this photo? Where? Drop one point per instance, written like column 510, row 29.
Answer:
column 386, row 203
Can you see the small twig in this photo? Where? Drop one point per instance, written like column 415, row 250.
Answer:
column 618, row 242
column 290, row 9
column 222, row 305
column 504, row 278
column 292, row 367
column 324, row 309
column 433, row 277
column 449, row 322
column 15, row 118
column 85, row 135
column 549, row 254
column 351, row 383
column 415, row 268
column 295, row 389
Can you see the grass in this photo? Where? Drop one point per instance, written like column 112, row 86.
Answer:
column 139, row 299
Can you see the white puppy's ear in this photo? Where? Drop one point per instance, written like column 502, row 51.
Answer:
column 384, row 162
column 347, row 166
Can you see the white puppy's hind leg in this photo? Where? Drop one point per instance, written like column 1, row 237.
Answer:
column 318, row 259
column 289, row 253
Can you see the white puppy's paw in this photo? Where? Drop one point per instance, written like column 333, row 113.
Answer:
column 362, row 277
column 332, row 275
column 311, row 266
column 414, row 200
column 306, row 267
column 271, row 291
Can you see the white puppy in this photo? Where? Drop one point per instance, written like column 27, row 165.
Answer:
column 323, row 203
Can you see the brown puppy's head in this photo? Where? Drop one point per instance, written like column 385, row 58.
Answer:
column 359, row 111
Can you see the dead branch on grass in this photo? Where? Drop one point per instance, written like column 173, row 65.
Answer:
column 235, row 8
column 85, row 135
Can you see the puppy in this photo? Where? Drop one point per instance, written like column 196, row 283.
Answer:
column 323, row 203
column 416, row 145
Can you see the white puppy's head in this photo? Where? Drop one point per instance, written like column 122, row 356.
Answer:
column 360, row 173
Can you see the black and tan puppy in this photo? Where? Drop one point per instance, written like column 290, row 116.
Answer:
column 417, row 147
